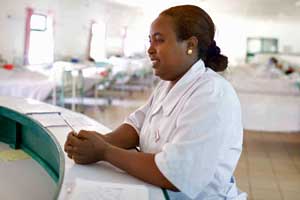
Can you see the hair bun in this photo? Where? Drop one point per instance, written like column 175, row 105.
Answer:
column 213, row 49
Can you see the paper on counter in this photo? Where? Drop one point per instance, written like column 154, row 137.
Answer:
column 55, row 119
column 13, row 155
column 51, row 119
column 94, row 190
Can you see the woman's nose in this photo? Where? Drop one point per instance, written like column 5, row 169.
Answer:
column 151, row 50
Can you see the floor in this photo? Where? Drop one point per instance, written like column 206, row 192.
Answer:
column 269, row 168
column 112, row 116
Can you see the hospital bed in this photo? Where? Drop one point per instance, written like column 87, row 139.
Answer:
column 69, row 83
column 74, row 80
column 22, row 82
column 59, row 81
column 126, row 76
column 269, row 100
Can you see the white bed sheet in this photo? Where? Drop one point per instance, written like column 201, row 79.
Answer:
column 261, row 81
column 129, row 65
column 22, row 82
column 269, row 100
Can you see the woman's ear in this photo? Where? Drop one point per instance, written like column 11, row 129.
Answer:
column 192, row 43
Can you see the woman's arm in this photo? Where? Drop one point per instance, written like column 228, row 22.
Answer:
column 88, row 147
column 125, row 136
column 138, row 164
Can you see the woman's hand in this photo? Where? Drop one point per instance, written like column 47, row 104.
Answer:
column 86, row 147
column 89, row 147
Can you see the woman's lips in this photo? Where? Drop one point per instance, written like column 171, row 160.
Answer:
column 154, row 62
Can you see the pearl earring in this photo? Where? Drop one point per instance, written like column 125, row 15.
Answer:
column 190, row 51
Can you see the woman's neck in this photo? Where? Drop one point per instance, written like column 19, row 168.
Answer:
column 173, row 82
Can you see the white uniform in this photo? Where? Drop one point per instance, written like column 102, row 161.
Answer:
column 195, row 131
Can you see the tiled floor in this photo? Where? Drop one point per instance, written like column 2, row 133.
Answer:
column 269, row 168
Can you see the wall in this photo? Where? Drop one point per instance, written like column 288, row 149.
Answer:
column 232, row 34
column 72, row 25
column 73, row 18
column 233, row 29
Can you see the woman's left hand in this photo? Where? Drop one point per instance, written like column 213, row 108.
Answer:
column 86, row 147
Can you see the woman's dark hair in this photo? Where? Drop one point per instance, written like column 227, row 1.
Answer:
column 191, row 21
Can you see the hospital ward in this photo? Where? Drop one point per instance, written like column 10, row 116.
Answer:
column 150, row 100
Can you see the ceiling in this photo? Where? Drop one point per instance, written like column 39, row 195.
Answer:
column 263, row 9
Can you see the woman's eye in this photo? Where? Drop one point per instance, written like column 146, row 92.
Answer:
column 159, row 40
column 156, row 40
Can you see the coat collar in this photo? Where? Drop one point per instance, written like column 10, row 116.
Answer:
column 182, row 86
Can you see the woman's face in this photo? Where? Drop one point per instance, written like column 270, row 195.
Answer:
column 169, row 56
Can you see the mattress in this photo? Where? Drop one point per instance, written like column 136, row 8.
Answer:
column 21, row 82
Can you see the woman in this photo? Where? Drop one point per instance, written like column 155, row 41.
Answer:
column 190, row 130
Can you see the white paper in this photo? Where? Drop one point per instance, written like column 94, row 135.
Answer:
column 47, row 120
column 55, row 119
column 94, row 190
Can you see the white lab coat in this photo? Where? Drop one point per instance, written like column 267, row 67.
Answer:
column 195, row 131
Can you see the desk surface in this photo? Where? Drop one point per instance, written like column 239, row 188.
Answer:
column 101, row 171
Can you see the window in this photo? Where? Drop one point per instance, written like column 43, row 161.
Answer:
column 40, row 39
column 261, row 45
column 38, row 22
column 97, row 46
column 135, row 42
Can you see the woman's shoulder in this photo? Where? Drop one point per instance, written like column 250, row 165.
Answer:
column 215, row 87
column 215, row 81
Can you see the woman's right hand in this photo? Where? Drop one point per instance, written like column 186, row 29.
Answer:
column 86, row 147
